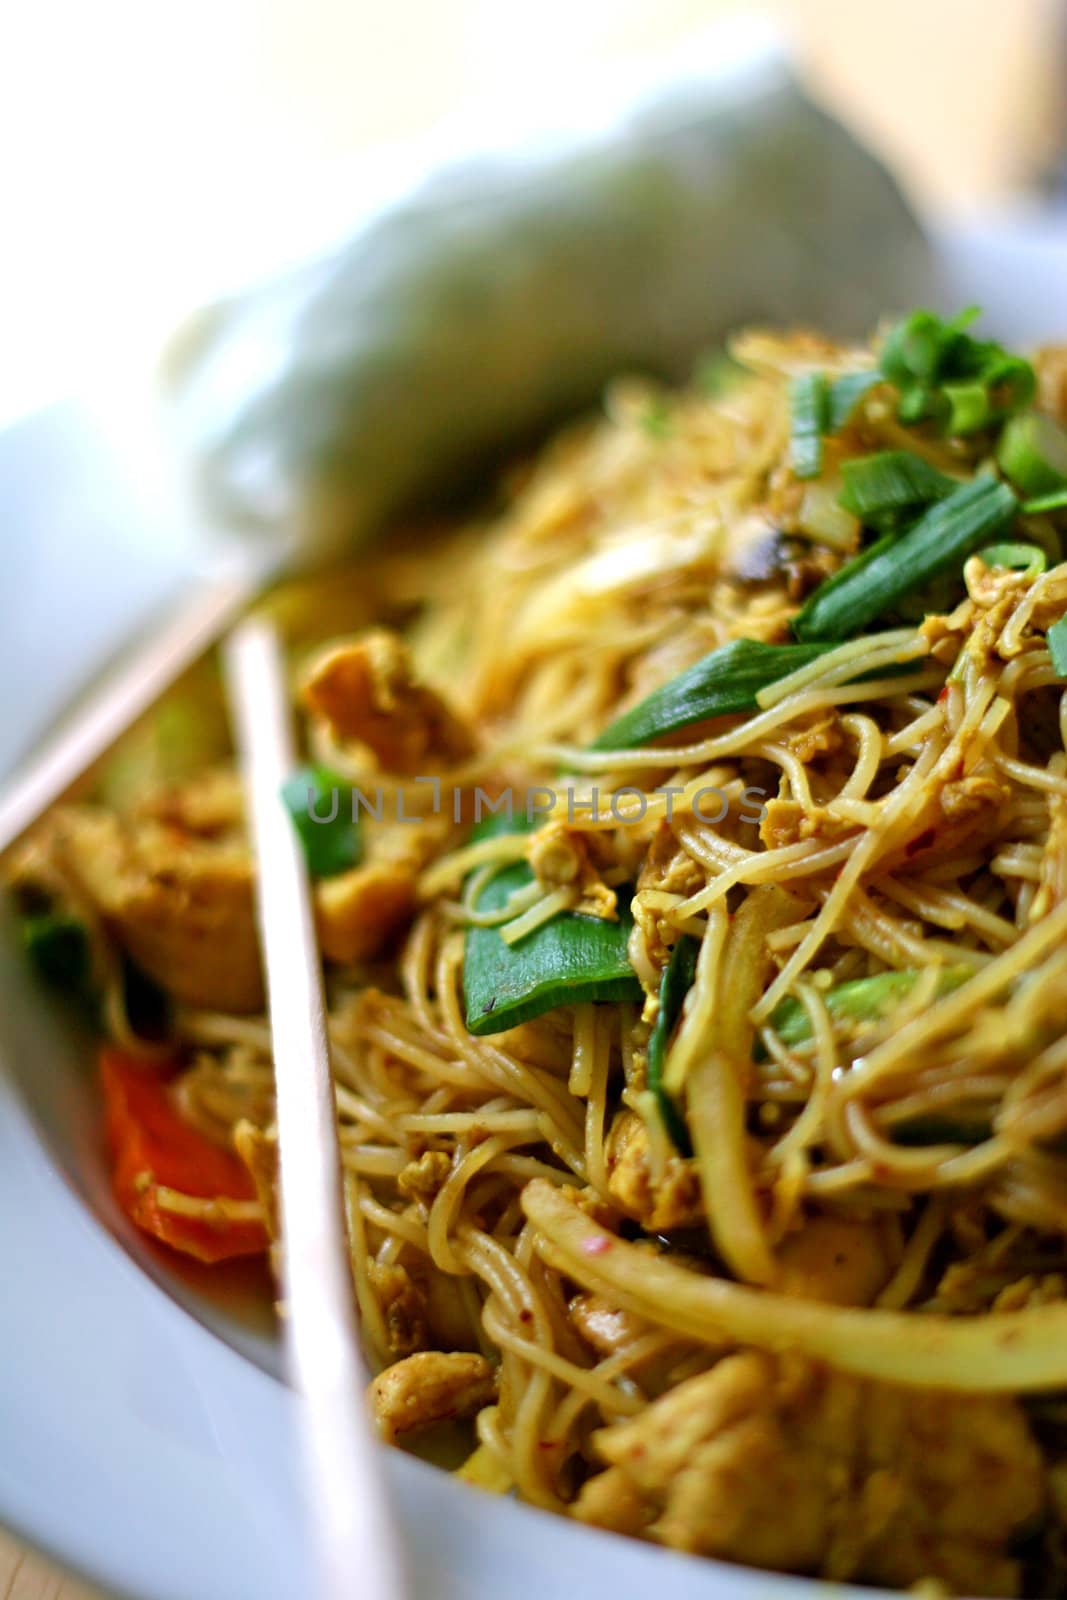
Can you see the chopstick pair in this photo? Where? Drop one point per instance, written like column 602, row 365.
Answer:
column 356, row 1540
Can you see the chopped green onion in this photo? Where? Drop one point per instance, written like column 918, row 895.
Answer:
column 892, row 481
column 1020, row 557
column 564, row 962
column 1013, row 383
column 1056, row 639
column 941, row 372
column 319, row 803
column 675, row 984
column 845, row 395
column 58, row 946
column 1033, row 454
column 915, row 349
column 875, row 581
column 720, row 684
column 860, row 1000
column 970, row 407
column 809, row 398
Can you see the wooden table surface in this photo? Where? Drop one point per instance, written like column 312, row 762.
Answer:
column 956, row 139
column 24, row 1575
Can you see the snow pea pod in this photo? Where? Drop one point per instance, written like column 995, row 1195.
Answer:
column 569, row 959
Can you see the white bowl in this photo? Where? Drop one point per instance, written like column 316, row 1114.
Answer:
column 145, row 1438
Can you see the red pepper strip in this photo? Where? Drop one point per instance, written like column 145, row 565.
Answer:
column 152, row 1149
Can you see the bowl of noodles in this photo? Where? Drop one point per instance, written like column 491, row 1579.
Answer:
column 688, row 832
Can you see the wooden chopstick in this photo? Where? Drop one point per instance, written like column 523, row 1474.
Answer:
column 358, row 1544
column 124, row 694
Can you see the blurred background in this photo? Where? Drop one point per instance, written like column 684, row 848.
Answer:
column 154, row 153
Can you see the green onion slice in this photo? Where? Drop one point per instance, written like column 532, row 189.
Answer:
column 319, row 803
column 1033, row 454
column 809, row 398
column 875, row 581
column 845, row 395
column 1056, row 639
column 891, row 481
column 941, row 372
column 675, row 984
column 564, row 962
column 1019, row 557
column 723, row 683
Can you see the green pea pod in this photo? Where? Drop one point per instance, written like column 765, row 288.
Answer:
column 861, row 1000
column 567, row 960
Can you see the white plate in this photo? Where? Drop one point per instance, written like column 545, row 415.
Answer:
column 137, row 1443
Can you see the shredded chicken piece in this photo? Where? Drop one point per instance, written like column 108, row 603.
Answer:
column 602, row 1325
column 782, row 1464
column 561, row 857
column 361, row 912
column 429, row 1387
column 208, row 805
column 365, row 690
column 672, row 1202
column 180, row 905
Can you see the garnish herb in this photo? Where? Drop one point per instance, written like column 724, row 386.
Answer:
column 942, row 374
column 315, row 799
